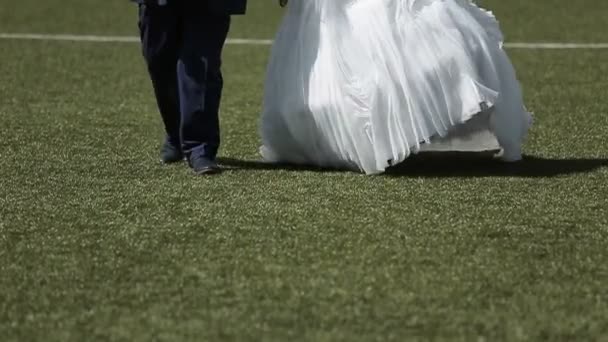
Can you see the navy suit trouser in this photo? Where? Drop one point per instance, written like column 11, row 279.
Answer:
column 182, row 44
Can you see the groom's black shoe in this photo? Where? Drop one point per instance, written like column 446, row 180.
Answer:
column 204, row 166
column 170, row 153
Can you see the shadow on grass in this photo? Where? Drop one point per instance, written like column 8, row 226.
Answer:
column 457, row 165
column 461, row 165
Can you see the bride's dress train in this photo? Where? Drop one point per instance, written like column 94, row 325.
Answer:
column 362, row 84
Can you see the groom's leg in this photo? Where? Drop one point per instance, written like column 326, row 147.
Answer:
column 160, row 43
column 200, row 79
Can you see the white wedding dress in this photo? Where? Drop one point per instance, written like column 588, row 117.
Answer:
column 363, row 84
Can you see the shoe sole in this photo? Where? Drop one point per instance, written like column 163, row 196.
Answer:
column 208, row 171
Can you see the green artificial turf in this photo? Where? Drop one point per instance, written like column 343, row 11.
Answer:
column 100, row 242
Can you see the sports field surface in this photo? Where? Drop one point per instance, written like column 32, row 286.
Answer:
column 99, row 242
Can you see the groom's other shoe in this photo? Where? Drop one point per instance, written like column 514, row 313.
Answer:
column 170, row 153
column 204, row 166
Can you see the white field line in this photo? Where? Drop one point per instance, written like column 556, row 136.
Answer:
column 107, row 39
column 556, row 46
column 236, row 41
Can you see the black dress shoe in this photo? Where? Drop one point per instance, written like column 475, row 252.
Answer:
column 204, row 166
column 170, row 153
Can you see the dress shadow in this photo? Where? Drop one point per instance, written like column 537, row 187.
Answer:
column 451, row 165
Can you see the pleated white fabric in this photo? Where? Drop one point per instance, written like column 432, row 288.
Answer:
column 362, row 84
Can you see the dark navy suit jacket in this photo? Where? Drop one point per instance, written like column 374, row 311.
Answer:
column 231, row 7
